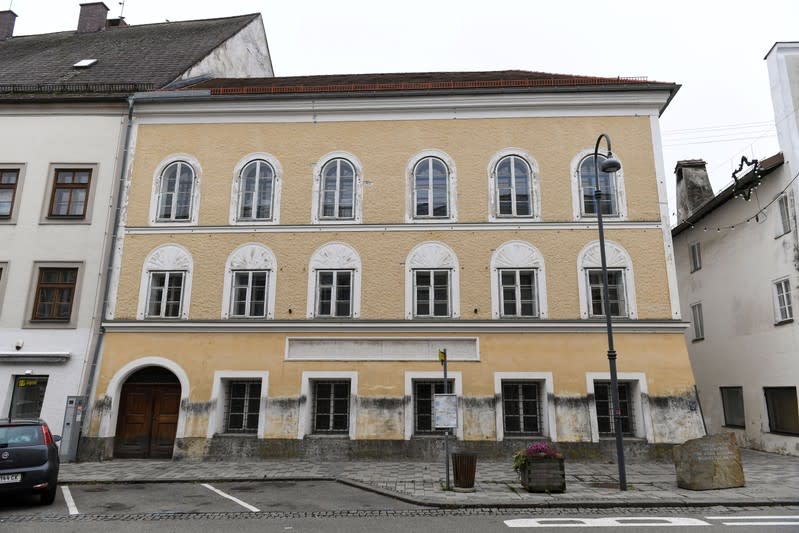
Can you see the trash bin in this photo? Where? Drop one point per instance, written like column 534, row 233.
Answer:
column 464, row 466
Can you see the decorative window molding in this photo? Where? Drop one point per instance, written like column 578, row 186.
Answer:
column 410, row 377
column 155, row 201
column 547, row 410
column 317, row 202
column 12, row 177
column 306, row 423
column 617, row 259
column 334, row 256
column 518, row 255
column 166, row 258
column 533, row 187
column 216, row 419
column 411, row 189
column 236, row 191
column 639, row 394
column 250, row 257
column 577, row 190
column 433, row 256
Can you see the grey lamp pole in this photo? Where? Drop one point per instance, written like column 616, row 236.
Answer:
column 609, row 165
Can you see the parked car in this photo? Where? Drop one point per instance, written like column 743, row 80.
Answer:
column 28, row 458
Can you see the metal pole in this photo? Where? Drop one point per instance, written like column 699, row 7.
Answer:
column 446, row 431
column 614, row 382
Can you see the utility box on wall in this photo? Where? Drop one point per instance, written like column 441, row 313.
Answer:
column 73, row 420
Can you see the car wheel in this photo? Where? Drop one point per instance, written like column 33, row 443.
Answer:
column 47, row 497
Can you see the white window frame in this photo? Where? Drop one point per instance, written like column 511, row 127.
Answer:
column 782, row 312
column 216, row 419
column 432, row 256
column 316, row 202
column 250, row 257
column 155, row 201
column 166, row 258
column 334, row 256
column 410, row 195
column 698, row 320
column 624, row 313
column 457, row 389
column 518, row 255
column 548, row 415
column 305, row 424
column 577, row 193
column 235, row 197
column 333, row 291
column 617, row 259
column 695, row 254
column 783, row 224
column 642, row 415
column 168, row 275
column 431, row 293
column 493, row 194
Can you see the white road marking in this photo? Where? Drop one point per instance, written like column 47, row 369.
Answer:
column 761, row 523
column 761, row 517
column 232, row 498
column 625, row 521
column 73, row 510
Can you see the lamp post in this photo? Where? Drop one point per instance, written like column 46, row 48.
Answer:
column 609, row 165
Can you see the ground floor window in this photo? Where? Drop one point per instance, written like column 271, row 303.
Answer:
column 423, row 395
column 783, row 413
column 28, row 396
column 331, row 406
column 521, row 408
column 242, row 406
column 732, row 400
column 604, row 409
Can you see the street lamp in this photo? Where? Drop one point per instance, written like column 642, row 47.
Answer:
column 608, row 166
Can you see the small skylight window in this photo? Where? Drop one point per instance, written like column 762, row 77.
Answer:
column 85, row 63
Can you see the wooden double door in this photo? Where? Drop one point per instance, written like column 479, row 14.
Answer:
column 147, row 420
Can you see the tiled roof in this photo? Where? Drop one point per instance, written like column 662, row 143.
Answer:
column 144, row 56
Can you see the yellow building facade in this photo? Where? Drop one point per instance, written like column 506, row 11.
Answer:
column 291, row 257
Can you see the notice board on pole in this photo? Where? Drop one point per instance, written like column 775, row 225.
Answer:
column 445, row 410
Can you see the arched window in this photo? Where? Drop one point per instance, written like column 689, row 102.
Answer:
column 334, row 282
column 176, row 192
column 513, row 186
column 584, row 181
column 338, row 189
column 518, row 281
column 432, row 282
column 256, row 190
column 431, row 187
column 165, row 289
column 621, row 282
column 249, row 287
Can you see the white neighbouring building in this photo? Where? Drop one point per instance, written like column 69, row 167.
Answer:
column 63, row 122
column 738, row 273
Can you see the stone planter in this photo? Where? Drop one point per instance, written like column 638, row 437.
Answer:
column 543, row 474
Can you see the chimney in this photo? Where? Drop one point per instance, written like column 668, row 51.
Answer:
column 7, row 20
column 92, row 17
column 693, row 187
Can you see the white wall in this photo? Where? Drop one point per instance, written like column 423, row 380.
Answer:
column 245, row 55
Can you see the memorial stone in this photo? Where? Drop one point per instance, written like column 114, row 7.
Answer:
column 711, row 462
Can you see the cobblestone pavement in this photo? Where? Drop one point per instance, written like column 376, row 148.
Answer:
column 771, row 479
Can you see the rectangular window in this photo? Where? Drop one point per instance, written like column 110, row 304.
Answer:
column 249, row 294
column 604, row 409
column 518, row 293
column 242, row 406
column 423, row 392
column 28, row 396
column 55, row 292
column 732, row 400
column 696, row 257
column 70, row 192
column 165, row 294
column 616, row 293
column 331, row 407
column 784, row 221
column 431, row 293
column 699, row 324
column 334, row 293
column 783, row 413
column 783, row 307
column 521, row 407
column 9, row 177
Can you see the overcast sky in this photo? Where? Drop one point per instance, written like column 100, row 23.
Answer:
column 713, row 48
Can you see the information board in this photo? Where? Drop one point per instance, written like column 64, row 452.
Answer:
column 445, row 410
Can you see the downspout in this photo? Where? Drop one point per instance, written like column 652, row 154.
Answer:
column 110, row 261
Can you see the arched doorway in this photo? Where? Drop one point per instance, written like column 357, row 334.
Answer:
column 148, row 414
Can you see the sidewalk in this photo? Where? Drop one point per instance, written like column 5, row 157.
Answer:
column 771, row 480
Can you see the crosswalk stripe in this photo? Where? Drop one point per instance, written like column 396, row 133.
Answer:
column 232, row 498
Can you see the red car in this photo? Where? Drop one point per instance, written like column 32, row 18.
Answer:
column 28, row 458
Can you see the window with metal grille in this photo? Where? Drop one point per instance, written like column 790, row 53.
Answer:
column 696, row 256
column 165, row 294
column 607, row 184
column 616, row 293
column 514, row 198
column 249, row 294
column 431, row 293
column 604, row 409
column 423, row 395
column 55, row 292
column 242, row 406
column 8, row 190
column 518, row 293
column 338, row 190
column 521, row 407
column 732, row 400
column 334, row 293
column 70, row 193
column 699, row 322
column 331, row 406
column 431, row 188
column 783, row 412
column 176, row 192
column 256, row 184
column 783, row 306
